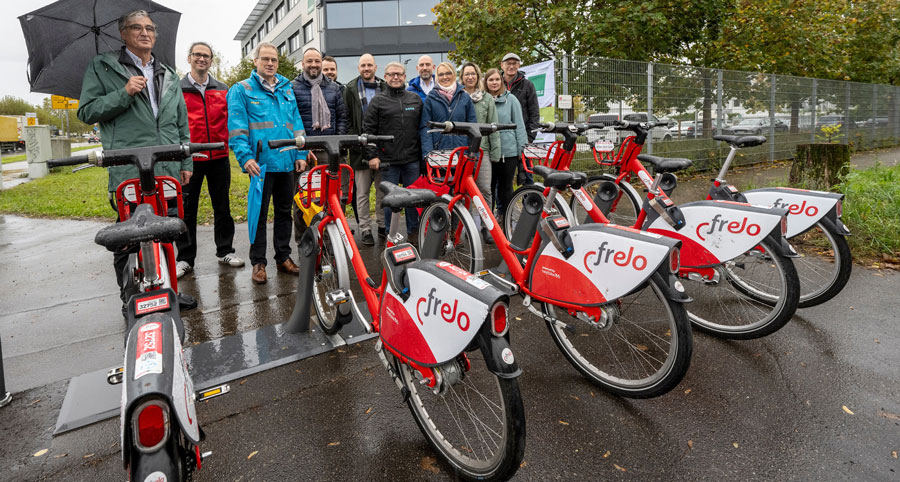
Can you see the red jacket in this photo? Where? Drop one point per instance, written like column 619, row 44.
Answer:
column 207, row 115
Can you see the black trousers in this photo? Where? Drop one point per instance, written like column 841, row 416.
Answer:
column 502, row 177
column 218, row 183
column 278, row 186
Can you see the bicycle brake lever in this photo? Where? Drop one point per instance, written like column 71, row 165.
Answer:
column 432, row 131
column 82, row 167
column 199, row 156
column 288, row 148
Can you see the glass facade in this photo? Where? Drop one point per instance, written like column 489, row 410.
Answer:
column 391, row 13
column 347, row 66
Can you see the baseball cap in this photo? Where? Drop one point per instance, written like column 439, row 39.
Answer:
column 511, row 56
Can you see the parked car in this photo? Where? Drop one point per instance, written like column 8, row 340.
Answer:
column 877, row 122
column 755, row 126
column 686, row 129
column 609, row 133
column 93, row 139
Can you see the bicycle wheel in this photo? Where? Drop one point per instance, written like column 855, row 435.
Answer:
column 754, row 295
column 476, row 424
column 824, row 264
column 643, row 351
column 461, row 244
column 624, row 212
column 516, row 202
column 331, row 274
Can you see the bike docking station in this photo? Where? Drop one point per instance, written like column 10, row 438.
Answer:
column 91, row 398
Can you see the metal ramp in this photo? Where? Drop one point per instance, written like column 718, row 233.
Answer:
column 90, row 398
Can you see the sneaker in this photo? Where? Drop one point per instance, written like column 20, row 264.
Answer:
column 182, row 268
column 367, row 238
column 232, row 260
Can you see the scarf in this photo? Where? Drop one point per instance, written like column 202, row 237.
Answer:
column 447, row 92
column 321, row 115
column 477, row 95
column 361, row 86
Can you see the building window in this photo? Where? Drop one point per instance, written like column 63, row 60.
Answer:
column 261, row 32
column 280, row 10
column 293, row 3
column 282, row 49
column 416, row 12
column 308, row 32
column 344, row 15
column 380, row 14
column 294, row 42
column 253, row 41
column 310, row 5
column 270, row 23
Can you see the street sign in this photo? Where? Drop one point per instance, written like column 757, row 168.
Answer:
column 60, row 102
column 31, row 118
column 564, row 102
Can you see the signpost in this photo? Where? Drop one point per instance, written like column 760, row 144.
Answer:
column 31, row 118
column 65, row 103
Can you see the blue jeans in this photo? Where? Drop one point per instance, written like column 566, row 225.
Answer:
column 402, row 175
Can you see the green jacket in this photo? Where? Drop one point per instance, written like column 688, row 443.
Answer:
column 355, row 118
column 486, row 113
column 127, row 121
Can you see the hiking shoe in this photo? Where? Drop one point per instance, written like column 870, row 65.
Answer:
column 367, row 238
column 182, row 268
column 232, row 260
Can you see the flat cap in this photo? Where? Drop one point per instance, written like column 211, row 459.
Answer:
column 511, row 56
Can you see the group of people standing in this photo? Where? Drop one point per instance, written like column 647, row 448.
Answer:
column 137, row 101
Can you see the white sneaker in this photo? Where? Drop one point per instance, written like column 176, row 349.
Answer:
column 232, row 260
column 182, row 268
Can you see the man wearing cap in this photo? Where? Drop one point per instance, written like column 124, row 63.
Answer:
column 523, row 89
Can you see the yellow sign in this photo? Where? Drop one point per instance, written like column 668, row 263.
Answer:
column 60, row 102
column 32, row 121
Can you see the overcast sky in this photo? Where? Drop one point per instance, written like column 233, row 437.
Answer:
column 213, row 21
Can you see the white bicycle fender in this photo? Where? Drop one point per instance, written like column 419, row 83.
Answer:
column 805, row 208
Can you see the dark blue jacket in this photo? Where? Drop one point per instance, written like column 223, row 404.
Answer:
column 437, row 109
column 415, row 86
column 332, row 93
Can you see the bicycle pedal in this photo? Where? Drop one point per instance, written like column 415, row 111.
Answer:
column 114, row 375
column 213, row 392
column 337, row 297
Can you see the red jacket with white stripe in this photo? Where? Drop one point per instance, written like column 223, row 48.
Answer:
column 207, row 115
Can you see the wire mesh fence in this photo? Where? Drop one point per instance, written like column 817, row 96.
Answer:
column 701, row 102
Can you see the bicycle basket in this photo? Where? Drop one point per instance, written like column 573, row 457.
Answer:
column 607, row 154
column 168, row 191
column 538, row 153
column 439, row 166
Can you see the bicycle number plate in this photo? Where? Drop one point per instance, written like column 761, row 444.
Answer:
column 604, row 146
column 130, row 191
column 311, row 181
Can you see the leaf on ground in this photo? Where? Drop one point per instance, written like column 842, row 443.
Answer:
column 890, row 416
column 87, row 456
column 690, row 444
column 687, row 391
column 36, row 401
column 573, row 396
column 60, row 456
column 802, row 364
column 40, row 452
column 429, row 464
column 607, row 454
column 620, row 467
column 847, row 410
column 564, row 423
column 252, row 454
column 641, row 347
column 368, row 410
column 894, row 454
column 333, row 444
column 524, row 463
column 876, row 340
column 735, row 444
column 243, row 381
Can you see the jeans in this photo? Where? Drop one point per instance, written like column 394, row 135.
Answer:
column 363, row 180
column 402, row 174
column 280, row 188
column 483, row 181
column 218, row 176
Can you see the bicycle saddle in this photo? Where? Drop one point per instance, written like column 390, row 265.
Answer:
column 742, row 141
column 665, row 164
column 143, row 225
column 396, row 197
column 560, row 179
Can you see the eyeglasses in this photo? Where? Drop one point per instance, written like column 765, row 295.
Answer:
column 394, row 74
column 445, row 74
column 268, row 60
column 135, row 28
column 198, row 55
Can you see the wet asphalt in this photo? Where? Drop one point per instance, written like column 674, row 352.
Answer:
column 819, row 399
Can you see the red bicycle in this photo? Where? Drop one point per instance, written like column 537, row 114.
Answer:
column 735, row 263
column 606, row 293
column 442, row 331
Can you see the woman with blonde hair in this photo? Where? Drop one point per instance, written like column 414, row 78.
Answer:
column 448, row 101
column 512, row 142
column 485, row 112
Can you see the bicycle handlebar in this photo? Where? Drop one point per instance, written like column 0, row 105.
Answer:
column 469, row 128
column 645, row 126
column 322, row 141
column 68, row 161
column 128, row 156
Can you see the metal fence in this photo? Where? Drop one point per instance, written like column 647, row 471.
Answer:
column 703, row 102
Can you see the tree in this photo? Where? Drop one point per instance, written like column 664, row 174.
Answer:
column 242, row 70
column 10, row 105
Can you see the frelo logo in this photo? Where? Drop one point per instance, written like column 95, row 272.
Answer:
column 736, row 227
column 448, row 313
column 619, row 258
column 797, row 208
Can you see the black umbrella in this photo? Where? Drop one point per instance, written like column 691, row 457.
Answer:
column 64, row 36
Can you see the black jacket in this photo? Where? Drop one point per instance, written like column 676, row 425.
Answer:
column 394, row 112
column 334, row 99
column 524, row 91
column 355, row 117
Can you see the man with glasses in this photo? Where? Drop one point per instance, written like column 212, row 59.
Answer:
column 396, row 112
column 208, row 122
column 138, row 102
column 262, row 108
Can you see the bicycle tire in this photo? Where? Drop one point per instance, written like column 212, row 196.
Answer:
column 514, row 208
column 444, row 418
column 623, row 212
column 331, row 254
column 757, row 294
column 468, row 251
column 824, row 265
column 651, row 337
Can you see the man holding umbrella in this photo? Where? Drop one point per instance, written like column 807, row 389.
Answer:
column 261, row 108
column 138, row 102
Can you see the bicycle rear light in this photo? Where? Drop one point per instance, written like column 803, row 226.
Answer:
column 839, row 207
column 674, row 260
column 151, row 425
column 783, row 225
column 499, row 319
